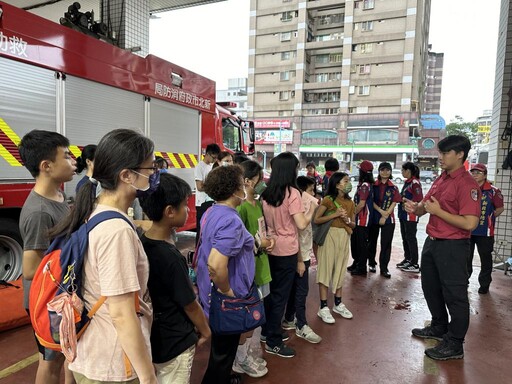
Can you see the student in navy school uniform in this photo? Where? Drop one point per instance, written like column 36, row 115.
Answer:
column 483, row 235
column 363, row 199
column 385, row 197
column 409, row 221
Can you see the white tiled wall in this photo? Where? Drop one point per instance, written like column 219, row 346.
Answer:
column 499, row 148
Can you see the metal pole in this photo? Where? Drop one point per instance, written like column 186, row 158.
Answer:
column 280, row 137
column 264, row 159
column 352, row 156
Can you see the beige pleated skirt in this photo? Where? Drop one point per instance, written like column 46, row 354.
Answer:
column 332, row 258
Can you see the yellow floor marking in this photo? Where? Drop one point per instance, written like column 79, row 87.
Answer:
column 19, row 365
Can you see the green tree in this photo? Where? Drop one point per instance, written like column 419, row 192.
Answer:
column 460, row 127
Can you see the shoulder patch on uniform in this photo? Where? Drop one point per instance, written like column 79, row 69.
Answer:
column 474, row 194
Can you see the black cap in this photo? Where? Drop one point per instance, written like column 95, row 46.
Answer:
column 385, row 165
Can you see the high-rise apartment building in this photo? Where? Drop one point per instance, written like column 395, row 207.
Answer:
column 434, row 82
column 235, row 95
column 347, row 76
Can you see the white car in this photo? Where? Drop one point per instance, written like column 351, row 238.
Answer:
column 397, row 176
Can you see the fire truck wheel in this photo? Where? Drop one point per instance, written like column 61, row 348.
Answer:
column 11, row 250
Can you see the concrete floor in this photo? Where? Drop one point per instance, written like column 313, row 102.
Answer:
column 374, row 347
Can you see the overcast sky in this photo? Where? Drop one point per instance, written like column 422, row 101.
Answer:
column 213, row 40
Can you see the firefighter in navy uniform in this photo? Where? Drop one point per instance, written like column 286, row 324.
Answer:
column 483, row 235
column 453, row 203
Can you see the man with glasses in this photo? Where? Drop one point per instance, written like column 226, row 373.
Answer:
column 203, row 201
column 491, row 206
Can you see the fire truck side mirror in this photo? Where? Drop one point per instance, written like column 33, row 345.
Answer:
column 252, row 135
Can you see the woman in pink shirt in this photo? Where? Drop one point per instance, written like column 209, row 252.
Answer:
column 284, row 216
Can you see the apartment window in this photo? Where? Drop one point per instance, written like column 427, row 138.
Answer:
column 287, row 1
column 283, row 95
column 322, row 97
column 286, row 36
column 358, row 110
column 351, row 89
column 285, row 75
column 367, row 26
column 363, row 90
column 287, row 16
column 329, row 19
column 285, row 55
column 366, row 47
column 335, row 58
column 325, row 77
column 364, row 69
column 368, row 4
column 353, row 68
column 322, row 111
column 322, row 59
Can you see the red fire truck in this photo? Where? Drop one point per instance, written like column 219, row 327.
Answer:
column 55, row 78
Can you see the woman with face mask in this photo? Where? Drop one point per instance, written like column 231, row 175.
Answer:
column 226, row 257
column 333, row 255
column 224, row 159
column 116, row 345
column 251, row 213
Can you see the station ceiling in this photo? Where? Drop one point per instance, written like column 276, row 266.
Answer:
column 154, row 5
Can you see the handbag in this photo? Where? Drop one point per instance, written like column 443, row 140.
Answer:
column 320, row 230
column 235, row 315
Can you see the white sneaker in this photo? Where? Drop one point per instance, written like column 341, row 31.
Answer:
column 250, row 368
column 308, row 334
column 343, row 311
column 288, row 325
column 258, row 360
column 325, row 314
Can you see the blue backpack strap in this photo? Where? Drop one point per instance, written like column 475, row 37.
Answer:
column 107, row 215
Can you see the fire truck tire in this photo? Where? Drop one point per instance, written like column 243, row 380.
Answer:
column 11, row 250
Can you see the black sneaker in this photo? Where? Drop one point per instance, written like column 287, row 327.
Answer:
column 286, row 337
column 402, row 263
column 372, row 269
column 446, row 350
column 351, row 267
column 358, row 272
column 280, row 350
column 483, row 290
column 427, row 333
column 414, row 268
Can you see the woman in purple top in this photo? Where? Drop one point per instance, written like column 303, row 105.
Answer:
column 226, row 257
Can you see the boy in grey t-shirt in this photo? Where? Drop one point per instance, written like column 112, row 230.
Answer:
column 47, row 157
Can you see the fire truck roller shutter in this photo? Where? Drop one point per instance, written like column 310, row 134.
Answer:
column 93, row 110
column 176, row 131
column 27, row 102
